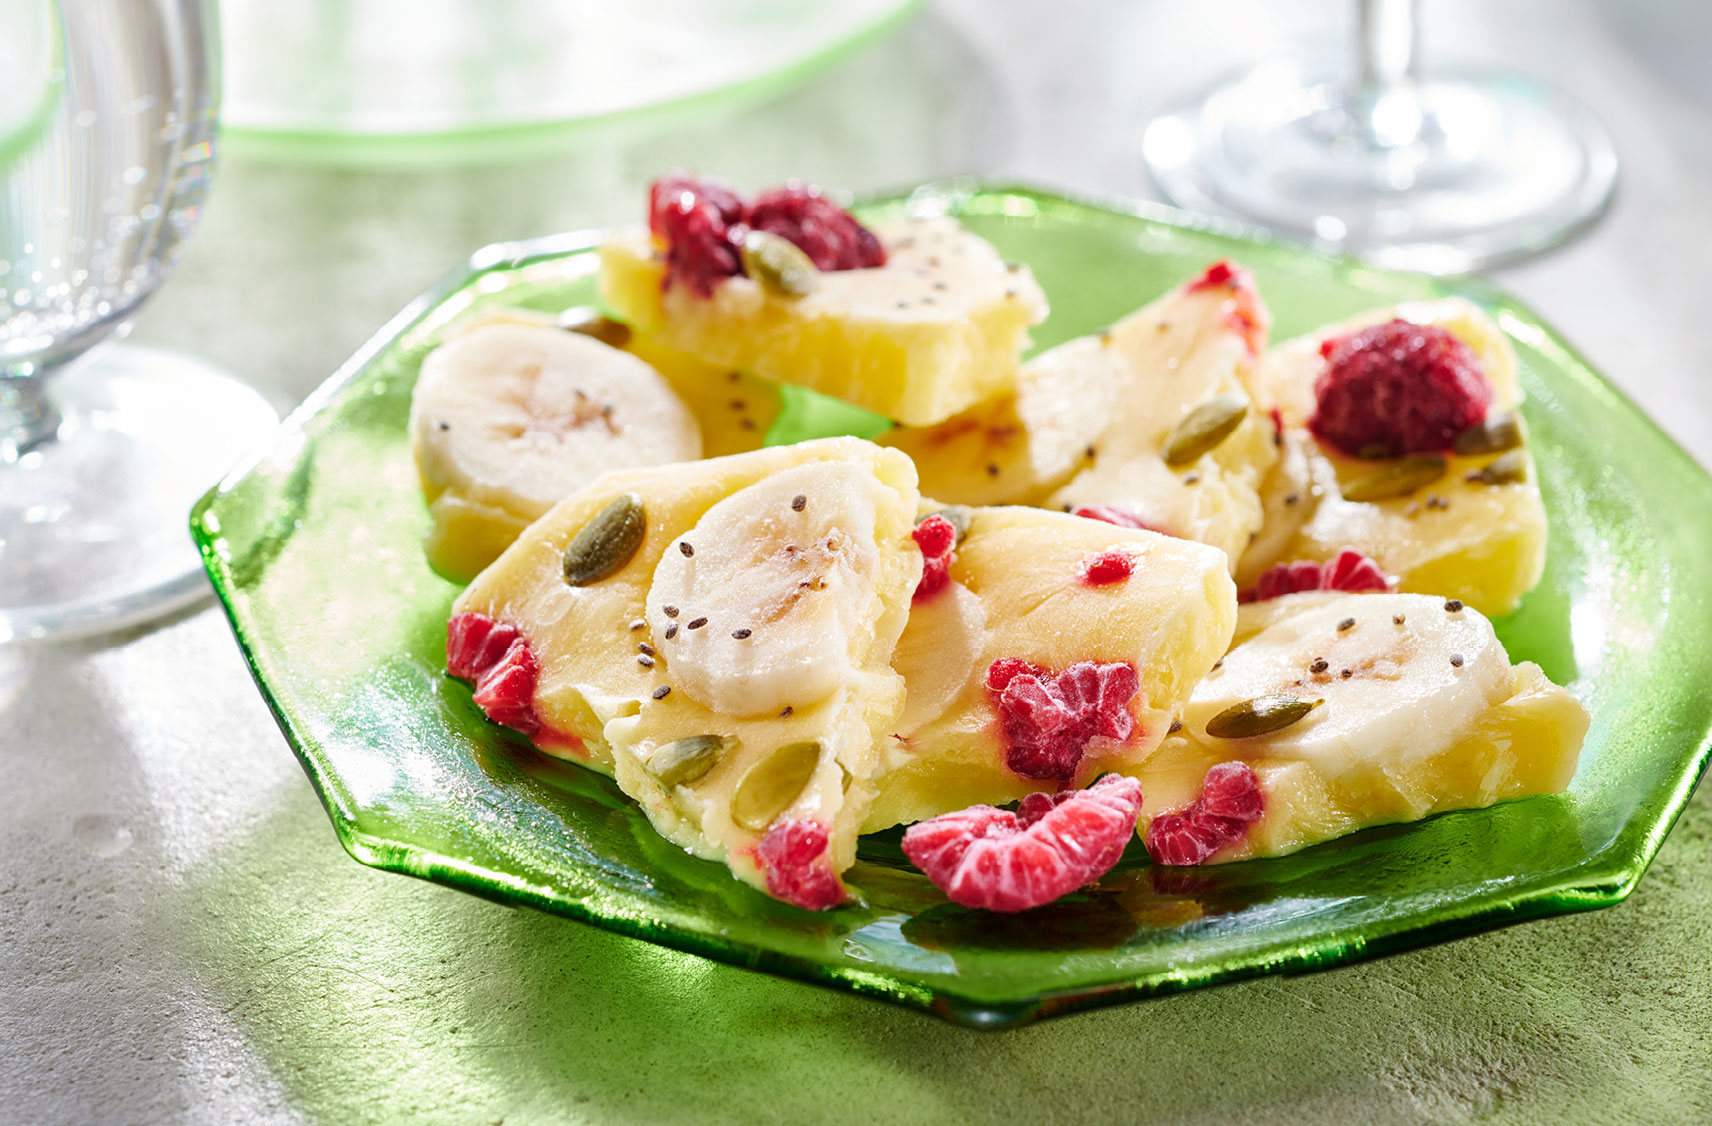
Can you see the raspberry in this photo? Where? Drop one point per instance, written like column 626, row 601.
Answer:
column 700, row 225
column 793, row 854
column 506, row 691
column 1122, row 517
column 667, row 190
column 1244, row 314
column 1396, row 389
column 475, row 643
column 1349, row 570
column 820, row 228
column 1049, row 720
column 1106, row 567
column 1001, row 861
column 499, row 661
column 1230, row 802
column 937, row 538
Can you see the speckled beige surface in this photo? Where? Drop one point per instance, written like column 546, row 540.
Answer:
column 183, row 939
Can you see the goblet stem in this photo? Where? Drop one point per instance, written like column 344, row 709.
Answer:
column 1386, row 104
column 27, row 417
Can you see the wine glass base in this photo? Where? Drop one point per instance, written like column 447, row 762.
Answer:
column 1456, row 174
column 94, row 531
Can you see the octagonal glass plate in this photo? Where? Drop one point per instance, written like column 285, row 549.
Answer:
column 313, row 546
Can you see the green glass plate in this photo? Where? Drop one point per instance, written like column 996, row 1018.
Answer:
column 313, row 547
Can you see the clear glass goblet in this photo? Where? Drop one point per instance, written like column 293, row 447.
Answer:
column 107, row 129
column 1443, row 174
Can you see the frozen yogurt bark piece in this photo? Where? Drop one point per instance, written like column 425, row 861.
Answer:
column 1451, row 512
column 1186, row 448
column 1334, row 712
column 929, row 322
column 1054, row 649
column 1089, row 422
column 718, row 633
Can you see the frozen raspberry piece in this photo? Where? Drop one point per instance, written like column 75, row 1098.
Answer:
column 1244, row 315
column 1106, row 567
column 937, row 538
column 1002, row 671
column 793, row 854
column 667, row 190
column 1398, row 388
column 475, row 643
column 1352, row 571
column 1048, row 721
column 1349, row 570
column 1230, row 802
column 1001, row 861
column 1122, row 517
column 828, row 234
column 506, row 690
column 698, row 222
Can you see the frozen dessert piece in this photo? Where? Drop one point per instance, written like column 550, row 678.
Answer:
column 1334, row 712
column 718, row 632
column 1402, row 440
column 1151, row 418
column 507, row 419
column 1057, row 648
column 916, row 325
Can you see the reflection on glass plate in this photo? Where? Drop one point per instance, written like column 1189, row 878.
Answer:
column 314, row 549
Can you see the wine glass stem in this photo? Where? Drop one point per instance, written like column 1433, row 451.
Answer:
column 27, row 418
column 1385, row 106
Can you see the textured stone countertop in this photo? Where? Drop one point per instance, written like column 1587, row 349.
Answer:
column 184, row 940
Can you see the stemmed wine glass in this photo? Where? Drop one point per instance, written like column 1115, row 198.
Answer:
column 1445, row 174
column 107, row 129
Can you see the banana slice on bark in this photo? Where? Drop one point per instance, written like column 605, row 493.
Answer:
column 770, row 589
column 507, row 419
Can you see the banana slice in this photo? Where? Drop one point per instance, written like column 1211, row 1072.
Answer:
column 770, row 590
column 1435, row 671
column 507, row 419
column 1416, row 710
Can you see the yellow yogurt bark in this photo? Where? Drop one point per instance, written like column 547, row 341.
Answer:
column 938, row 327
column 1467, row 525
column 507, row 418
column 1057, row 649
column 718, row 634
column 1186, row 449
column 1334, row 712
column 1105, row 421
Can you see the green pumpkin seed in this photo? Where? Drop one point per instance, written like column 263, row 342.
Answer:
column 778, row 265
column 683, row 761
column 960, row 515
column 607, row 542
column 769, row 787
column 1490, row 437
column 588, row 322
column 1398, row 479
column 1506, row 469
column 1202, row 429
column 1260, row 716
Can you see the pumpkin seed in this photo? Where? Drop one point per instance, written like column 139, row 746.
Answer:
column 1400, row 478
column 778, row 265
column 960, row 515
column 1260, row 716
column 769, row 787
column 1490, row 437
column 607, row 542
column 588, row 322
column 1202, row 429
column 683, row 761
column 1506, row 469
